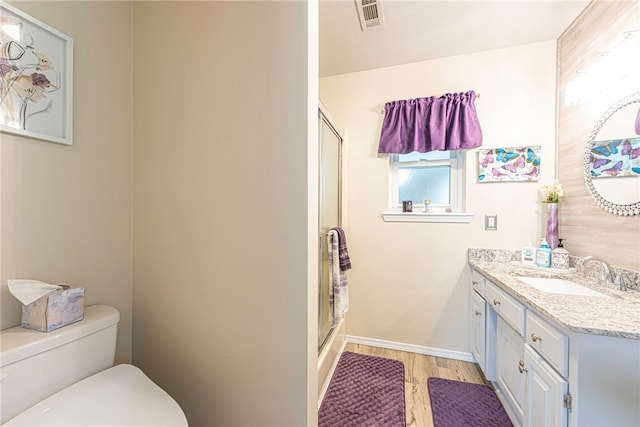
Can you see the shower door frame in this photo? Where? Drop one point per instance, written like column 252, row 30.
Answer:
column 324, row 331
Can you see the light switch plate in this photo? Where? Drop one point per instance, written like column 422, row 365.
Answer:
column 491, row 222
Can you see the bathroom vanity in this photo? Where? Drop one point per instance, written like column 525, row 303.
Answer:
column 557, row 357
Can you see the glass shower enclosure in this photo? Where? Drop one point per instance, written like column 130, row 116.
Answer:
column 329, row 215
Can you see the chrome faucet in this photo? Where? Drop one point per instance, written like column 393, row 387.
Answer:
column 608, row 277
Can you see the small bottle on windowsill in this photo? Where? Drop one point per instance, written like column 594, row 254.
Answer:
column 427, row 202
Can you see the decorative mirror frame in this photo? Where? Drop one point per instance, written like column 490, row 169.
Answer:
column 614, row 208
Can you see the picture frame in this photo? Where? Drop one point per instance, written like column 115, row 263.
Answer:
column 509, row 164
column 36, row 78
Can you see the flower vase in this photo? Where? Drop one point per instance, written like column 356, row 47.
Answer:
column 552, row 225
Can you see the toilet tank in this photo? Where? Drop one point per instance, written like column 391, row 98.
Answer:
column 34, row 365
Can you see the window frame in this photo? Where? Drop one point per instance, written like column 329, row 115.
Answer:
column 456, row 181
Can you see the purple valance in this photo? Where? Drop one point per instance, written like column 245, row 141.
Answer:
column 449, row 122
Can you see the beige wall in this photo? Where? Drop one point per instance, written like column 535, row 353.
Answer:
column 590, row 230
column 409, row 281
column 221, row 295
column 66, row 210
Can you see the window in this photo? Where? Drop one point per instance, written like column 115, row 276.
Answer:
column 436, row 175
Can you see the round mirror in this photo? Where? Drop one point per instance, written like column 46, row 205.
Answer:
column 612, row 158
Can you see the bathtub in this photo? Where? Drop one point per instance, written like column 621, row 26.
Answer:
column 328, row 357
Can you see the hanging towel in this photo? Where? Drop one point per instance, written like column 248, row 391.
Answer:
column 345, row 261
column 338, row 287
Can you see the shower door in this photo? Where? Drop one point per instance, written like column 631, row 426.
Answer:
column 330, row 146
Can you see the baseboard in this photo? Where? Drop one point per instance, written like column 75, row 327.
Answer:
column 411, row 348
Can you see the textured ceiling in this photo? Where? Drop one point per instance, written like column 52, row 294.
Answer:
column 421, row 30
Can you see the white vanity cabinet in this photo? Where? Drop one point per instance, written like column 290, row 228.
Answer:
column 547, row 375
column 519, row 352
column 522, row 353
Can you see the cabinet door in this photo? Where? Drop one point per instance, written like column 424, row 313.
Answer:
column 544, row 393
column 478, row 330
column 510, row 377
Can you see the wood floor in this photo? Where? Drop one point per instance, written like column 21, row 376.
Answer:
column 417, row 369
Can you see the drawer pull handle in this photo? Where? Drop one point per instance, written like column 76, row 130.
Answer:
column 478, row 313
column 496, row 302
column 474, row 282
column 521, row 367
column 535, row 338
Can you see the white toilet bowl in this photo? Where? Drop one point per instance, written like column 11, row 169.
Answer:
column 119, row 396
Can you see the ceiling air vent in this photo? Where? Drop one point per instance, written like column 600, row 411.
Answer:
column 370, row 13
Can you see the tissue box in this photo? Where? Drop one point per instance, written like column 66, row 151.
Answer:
column 54, row 310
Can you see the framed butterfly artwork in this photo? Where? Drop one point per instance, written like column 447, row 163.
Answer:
column 509, row 164
column 615, row 158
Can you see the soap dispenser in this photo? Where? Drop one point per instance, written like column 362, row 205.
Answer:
column 560, row 257
column 528, row 256
column 543, row 255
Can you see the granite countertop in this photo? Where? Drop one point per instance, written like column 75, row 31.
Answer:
column 615, row 316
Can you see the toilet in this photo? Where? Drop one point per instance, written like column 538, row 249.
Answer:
column 67, row 378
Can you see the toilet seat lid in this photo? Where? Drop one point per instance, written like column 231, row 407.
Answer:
column 119, row 396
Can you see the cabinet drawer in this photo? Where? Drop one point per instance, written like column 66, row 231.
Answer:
column 509, row 308
column 478, row 282
column 549, row 341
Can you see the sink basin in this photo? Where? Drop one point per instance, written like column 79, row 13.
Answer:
column 559, row 286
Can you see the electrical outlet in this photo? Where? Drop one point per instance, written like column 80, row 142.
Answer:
column 491, row 222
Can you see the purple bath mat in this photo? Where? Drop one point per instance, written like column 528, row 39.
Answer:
column 364, row 391
column 456, row 404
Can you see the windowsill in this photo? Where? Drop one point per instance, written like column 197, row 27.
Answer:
column 454, row 217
